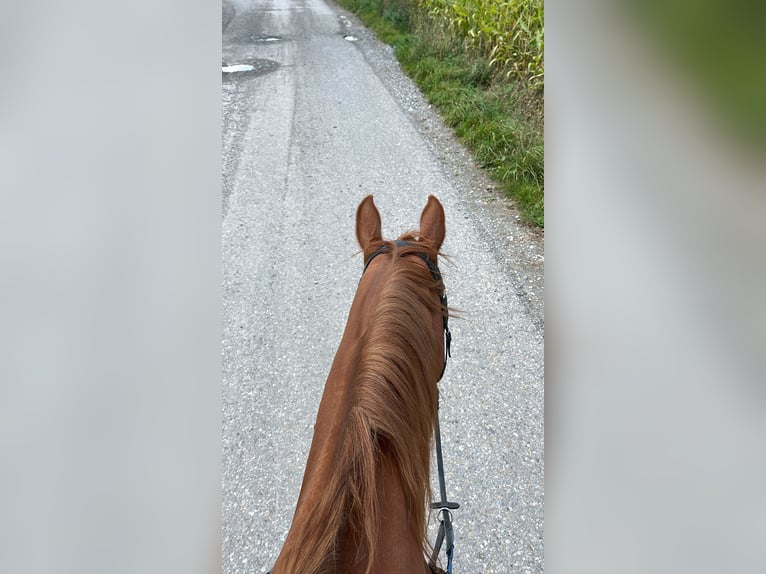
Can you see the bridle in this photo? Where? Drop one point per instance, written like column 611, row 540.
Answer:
column 444, row 507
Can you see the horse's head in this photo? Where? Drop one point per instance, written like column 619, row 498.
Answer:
column 424, row 244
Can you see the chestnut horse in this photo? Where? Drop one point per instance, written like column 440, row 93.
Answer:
column 362, row 504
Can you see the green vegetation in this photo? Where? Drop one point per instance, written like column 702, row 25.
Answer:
column 480, row 62
column 510, row 33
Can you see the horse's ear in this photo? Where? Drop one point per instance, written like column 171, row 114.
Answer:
column 367, row 223
column 432, row 223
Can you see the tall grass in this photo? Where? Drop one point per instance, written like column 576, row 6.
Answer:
column 509, row 33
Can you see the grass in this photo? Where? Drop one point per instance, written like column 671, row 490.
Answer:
column 496, row 112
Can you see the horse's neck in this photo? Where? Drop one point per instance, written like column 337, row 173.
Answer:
column 397, row 553
column 335, row 401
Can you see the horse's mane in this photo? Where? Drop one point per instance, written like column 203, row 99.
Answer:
column 390, row 419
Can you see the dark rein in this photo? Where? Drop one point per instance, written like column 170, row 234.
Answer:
column 446, row 530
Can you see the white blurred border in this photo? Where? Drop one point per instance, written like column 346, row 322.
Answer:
column 110, row 218
column 655, row 314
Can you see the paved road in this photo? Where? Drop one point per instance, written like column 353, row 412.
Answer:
column 320, row 121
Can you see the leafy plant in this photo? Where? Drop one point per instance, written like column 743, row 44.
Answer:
column 510, row 33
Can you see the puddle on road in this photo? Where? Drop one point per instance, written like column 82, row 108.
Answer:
column 237, row 68
column 248, row 69
column 265, row 38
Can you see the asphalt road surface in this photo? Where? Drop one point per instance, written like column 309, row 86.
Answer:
column 320, row 117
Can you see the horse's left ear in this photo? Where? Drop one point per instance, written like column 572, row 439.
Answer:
column 367, row 224
column 432, row 223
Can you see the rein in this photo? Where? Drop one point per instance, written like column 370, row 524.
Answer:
column 446, row 531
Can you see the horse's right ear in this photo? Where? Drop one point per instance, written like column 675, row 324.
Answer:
column 432, row 223
column 367, row 224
